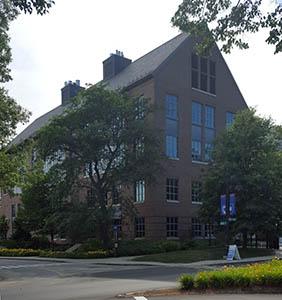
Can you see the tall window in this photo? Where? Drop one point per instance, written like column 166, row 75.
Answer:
column 172, row 227
column 196, row 227
column 196, row 191
column 229, row 118
column 140, row 108
column 172, row 189
column 140, row 191
column 196, row 130
column 209, row 230
column 209, row 131
column 203, row 74
column 171, row 126
column 139, row 227
column 203, row 131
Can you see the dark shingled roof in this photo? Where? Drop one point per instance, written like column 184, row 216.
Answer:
column 137, row 70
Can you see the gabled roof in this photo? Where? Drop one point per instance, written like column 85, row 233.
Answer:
column 145, row 65
column 31, row 129
column 136, row 71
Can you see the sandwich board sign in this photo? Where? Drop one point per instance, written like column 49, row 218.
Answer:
column 233, row 253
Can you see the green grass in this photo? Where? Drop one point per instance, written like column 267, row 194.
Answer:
column 192, row 255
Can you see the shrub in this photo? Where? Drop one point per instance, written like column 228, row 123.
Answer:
column 142, row 247
column 91, row 245
column 10, row 244
column 18, row 252
column 186, row 282
column 77, row 255
column 264, row 275
column 185, row 245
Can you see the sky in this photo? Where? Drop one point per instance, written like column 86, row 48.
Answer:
column 72, row 41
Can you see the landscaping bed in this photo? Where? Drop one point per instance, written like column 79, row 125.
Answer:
column 251, row 277
column 53, row 254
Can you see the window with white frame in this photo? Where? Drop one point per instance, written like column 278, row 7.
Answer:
column 172, row 189
column 140, row 191
column 196, row 227
column 196, row 191
column 140, row 108
column 139, row 227
column 209, row 230
column 172, row 226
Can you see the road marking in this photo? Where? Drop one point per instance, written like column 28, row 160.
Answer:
column 140, row 298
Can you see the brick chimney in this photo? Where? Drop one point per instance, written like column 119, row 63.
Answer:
column 70, row 90
column 114, row 65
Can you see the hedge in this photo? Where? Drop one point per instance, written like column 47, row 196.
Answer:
column 19, row 252
column 54, row 254
column 251, row 276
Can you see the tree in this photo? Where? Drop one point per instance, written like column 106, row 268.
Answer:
column 226, row 21
column 11, row 113
column 108, row 137
column 4, row 227
column 247, row 161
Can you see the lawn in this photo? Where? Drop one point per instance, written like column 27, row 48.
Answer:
column 192, row 255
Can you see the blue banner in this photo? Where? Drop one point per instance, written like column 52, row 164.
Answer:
column 232, row 205
column 223, row 205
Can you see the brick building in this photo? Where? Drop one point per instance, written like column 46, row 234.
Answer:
column 196, row 97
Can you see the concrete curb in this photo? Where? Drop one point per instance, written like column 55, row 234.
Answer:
column 35, row 258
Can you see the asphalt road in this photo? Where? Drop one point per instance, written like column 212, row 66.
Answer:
column 78, row 280
column 43, row 280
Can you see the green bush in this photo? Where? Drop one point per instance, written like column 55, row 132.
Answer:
column 10, row 244
column 54, row 254
column 77, row 255
column 18, row 252
column 142, row 247
column 186, row 282
column 91, row 245
column 188, row 244
column 263, row 275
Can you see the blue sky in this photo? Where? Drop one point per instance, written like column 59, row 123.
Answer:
column 72, row 41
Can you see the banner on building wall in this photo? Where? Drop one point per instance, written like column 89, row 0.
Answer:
column 223, row 205
column 232, row 205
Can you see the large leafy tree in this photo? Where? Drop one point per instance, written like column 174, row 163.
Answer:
column 11, row 113
column 226, row 21
column 103, row 142
column 247, row 161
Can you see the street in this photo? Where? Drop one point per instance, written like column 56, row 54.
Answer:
column 87, row 280
column 34, row 280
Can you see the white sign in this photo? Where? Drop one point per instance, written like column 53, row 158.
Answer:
column 233, row 253
column 280, row 243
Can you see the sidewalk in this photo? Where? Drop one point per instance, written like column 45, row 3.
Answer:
column 128, row 261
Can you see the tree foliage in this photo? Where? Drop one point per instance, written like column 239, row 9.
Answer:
column 100, row 143
column 226, row 21
column 247, row 161
column 4, row 227
column 11, row 113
